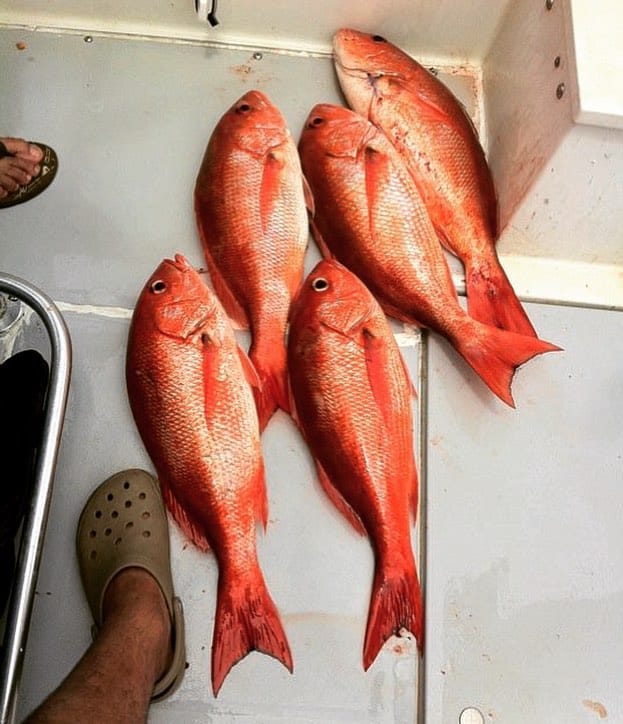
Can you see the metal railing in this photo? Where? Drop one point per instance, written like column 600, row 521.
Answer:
column 35, row 519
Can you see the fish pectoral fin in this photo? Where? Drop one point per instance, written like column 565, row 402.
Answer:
column 338, row 500
column 222, row 289
column 181, row 320
column 347, row 318
column 309, row 197
column 377, row 365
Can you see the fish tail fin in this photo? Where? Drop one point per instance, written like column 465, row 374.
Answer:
column 495, row 354
column 246, row 620
column 270, row 361
column 396, row 603
column 491, row 298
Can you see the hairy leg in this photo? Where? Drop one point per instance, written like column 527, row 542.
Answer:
column 114, row 680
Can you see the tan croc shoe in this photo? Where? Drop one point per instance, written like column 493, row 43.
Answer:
column 123, row 525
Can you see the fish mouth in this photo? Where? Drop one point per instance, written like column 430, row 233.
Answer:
column 179, row 262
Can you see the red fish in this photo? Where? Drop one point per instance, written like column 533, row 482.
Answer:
column 188, row 386
column 370, row 216
column 438, row 142
column 252, row 219
column 352, row 399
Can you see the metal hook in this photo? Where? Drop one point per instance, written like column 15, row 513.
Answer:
column 201, row 7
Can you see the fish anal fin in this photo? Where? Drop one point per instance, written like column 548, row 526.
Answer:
column 491, row 298
column 338, row 501
column 181, row 516
column 248, row 369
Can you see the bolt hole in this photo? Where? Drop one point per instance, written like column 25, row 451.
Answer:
column 549, row 4
column 471, row 715
column 108, row 531
column 560, row 90
column 98, row 513
column 128, row 503
column 117, row 541
column 129, row 525
column 142, row 496
column 557, row 60
column 145, row 515
column 146, row 534
column 93, row 555
column 110, row 496
column 114, row 514
column 126, row 485
column 92, row 534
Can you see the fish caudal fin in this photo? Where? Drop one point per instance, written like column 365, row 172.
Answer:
column 271, row 365
column 494, row 354
column 491, row 298
column 246, row 620
column 395, row 604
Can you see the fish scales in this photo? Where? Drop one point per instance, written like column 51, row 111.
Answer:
column 352, row 397
column 370, row 216
column 434, row 134
column 189, row 387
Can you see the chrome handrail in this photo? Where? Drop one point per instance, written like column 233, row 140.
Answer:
column 35, row 519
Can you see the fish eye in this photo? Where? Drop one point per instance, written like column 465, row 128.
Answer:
column 379, row 39
column 320, row 284
column 158, row 287
column 243, row 108
column 316, row 121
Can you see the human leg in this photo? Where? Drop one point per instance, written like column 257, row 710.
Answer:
column 138, row 654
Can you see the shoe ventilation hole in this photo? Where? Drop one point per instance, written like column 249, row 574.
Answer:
column 93, row 555
column 110, row 496
column 142, row 496
column 98, row 513
column 92, row 534
column 145, row 515
column 129, row 525
column 146, row 533
column 128, row 503
column 126, row 485
column 114, row 514
column 108, row 531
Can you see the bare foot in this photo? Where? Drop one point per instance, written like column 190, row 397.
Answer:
column 18, row 169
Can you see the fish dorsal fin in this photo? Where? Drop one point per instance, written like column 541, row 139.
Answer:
column 337, row 499
column 182, row 518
